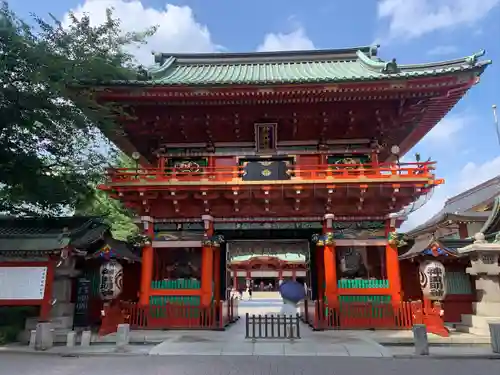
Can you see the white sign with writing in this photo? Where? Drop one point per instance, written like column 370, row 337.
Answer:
column 22, row 283
column 432, row 280
column 111, row 280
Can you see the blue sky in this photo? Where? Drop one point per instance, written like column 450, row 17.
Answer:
column 464, row 144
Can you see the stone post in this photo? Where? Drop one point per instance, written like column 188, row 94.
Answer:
column 32, row 339
column 86, row 338
column 71, row 339
column 122, row 336
column 495, row 337
column 44, row 336
column 420, row 339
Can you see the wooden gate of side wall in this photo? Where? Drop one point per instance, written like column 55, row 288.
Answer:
column 172, row 316
column 387, row 316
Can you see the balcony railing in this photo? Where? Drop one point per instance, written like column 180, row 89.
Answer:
column 296, row 173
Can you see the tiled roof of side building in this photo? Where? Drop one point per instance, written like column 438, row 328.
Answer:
column 460, row 205
column 44, row 234
column 317, row 66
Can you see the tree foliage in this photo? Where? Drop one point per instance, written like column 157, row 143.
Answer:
column 97, row 203
column 52, row 152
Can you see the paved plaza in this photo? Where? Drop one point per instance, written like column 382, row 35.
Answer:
column 236, row 365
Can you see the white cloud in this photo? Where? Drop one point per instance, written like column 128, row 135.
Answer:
column 296, row 40
column 178, row 29
column 442, row 50
column 431, row 207
column 472, row 174
column 448, row 127
column 414, row 18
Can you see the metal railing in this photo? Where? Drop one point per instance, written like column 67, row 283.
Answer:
column 272, row 327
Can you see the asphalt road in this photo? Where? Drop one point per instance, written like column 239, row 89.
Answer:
column 264, row 365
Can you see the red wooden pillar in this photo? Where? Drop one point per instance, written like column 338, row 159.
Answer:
column 463, row 232
column 46, row 305
column 330, row 263
column 320, row 272
column 147, row 263
column 392, row 265
column 207, row 264
column 217, row 274
column 235, row 279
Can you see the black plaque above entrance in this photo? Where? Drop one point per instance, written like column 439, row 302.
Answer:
column 266, row 169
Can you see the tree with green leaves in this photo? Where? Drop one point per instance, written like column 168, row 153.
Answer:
column 52, row 152
column 118, row 217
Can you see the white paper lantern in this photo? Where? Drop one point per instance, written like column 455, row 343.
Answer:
column 111, row 280
column 431, row 275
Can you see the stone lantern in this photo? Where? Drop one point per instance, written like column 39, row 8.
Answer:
column 486, row 270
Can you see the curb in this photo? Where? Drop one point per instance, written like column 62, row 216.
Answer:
column 450, row 356
column 74, row 355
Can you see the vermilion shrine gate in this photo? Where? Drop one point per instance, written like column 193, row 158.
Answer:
column 297, row 146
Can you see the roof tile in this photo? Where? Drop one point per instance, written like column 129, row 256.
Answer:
column 294, row 67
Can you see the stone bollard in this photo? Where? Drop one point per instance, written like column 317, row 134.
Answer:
column 32, row 339
column 71, row 339
column 86, row 337
column 495, row 337
column 122, row 336
column 44, row 336
column 420, row 339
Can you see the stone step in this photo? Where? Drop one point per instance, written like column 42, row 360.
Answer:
column 62, row 309
column 478, row 331
column 478, row 321
column 65, row 322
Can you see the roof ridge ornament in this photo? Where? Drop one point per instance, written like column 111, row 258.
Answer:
column 142, row 74
column 384, row 67
column 473, row 59
column 374, row 50
column 391, row 67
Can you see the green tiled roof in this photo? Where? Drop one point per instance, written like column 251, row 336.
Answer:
column 319, row 66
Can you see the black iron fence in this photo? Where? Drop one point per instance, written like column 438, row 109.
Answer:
column 272, row 327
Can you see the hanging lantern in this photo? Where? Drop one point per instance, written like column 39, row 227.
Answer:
column 111, row 280
column 432, row 282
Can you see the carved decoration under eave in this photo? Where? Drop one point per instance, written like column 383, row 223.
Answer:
column 323, row 239
column 396, row 239
column 140, row 240
column 214, row 241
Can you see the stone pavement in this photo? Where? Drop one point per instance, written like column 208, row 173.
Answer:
column 233, row 342
column 236, row 365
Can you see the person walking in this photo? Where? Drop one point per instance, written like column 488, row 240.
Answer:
column 241, row 290
column 250, row 290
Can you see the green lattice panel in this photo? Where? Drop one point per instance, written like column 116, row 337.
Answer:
column 362, row 284
column 176, row 284
column 457, row 283
column 176, row 300
column 364, row 299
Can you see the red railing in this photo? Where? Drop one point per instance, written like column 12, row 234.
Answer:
column 297, row 172
column 358, row 315
column 181, row 316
